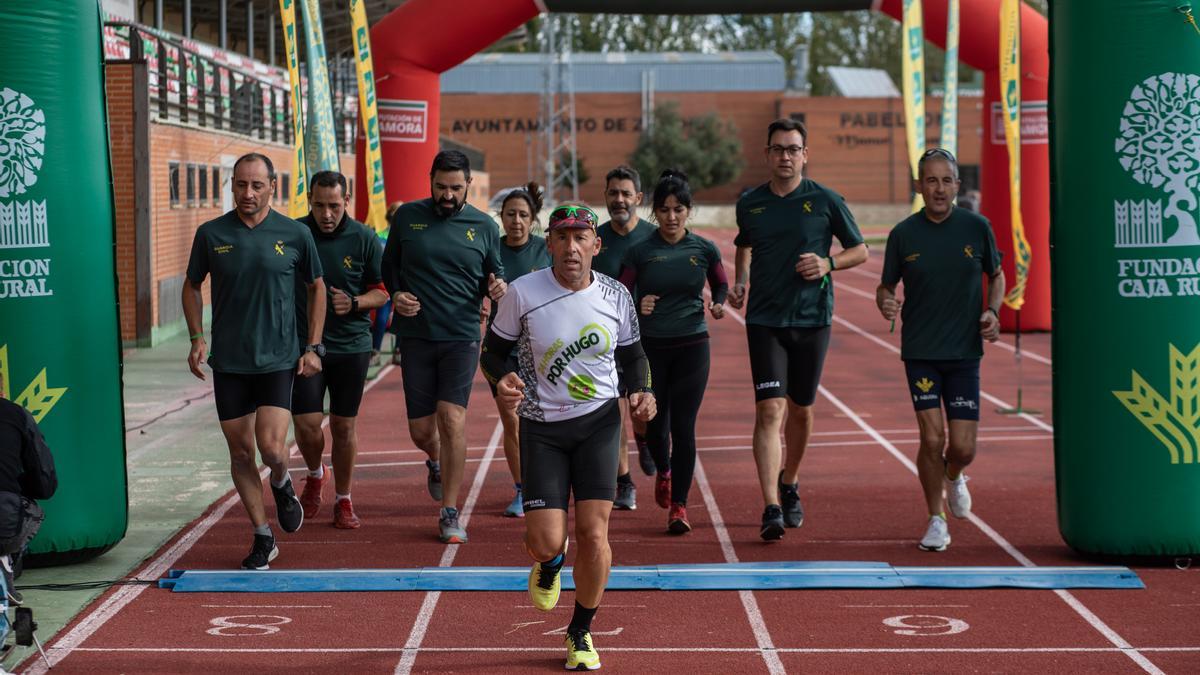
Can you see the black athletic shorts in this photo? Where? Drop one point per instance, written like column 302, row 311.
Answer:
column 436, row 371
column 239, row 394
column 956, row 383
column 577, row 455
column 343, row 375
column 787, row 361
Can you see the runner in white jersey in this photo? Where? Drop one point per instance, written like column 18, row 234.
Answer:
column 570, row 327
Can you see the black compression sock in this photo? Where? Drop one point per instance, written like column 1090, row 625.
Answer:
column 625, row 478
column 581, row 621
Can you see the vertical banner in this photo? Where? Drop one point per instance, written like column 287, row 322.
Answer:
column 950, row 98
column 298, row 200
column 60, row 351
column 1125, row 243
column 321, row 151
column 913, row 74
column 1010, row 96
column 376, row 198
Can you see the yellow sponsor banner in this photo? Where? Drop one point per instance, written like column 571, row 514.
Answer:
column 950, row 98
column 376, row 197
column 913, row 75
column 298, row 200
column 1010, row 95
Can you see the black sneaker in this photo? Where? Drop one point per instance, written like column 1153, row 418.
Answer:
column 289, row 512
column 789, row 497
column 772, row 523
column 645, row 459
column 434, row 481
column 262, row 553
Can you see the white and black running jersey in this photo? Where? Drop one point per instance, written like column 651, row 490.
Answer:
column 566, row 342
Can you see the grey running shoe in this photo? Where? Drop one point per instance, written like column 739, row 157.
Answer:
column 262, row 553
column 772, row 523
column 626, row 497
column 434, row 481
column 789, row 498
column 450, row 531
column 288, row 509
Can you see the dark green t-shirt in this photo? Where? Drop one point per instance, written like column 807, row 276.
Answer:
column 613, row 246
column 676, row 274
column 254, row 276
column 529, row 257
column 445, row 262
column 350, row 257
column 942, row 267
column 779, row 230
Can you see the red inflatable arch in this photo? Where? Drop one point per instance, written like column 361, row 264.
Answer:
column 421, row 39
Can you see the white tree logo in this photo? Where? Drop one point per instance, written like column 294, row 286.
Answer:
column 22, row 142
column 1159, row 145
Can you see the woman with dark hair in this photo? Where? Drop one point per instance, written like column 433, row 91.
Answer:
column 666, row 274
column 521, row 252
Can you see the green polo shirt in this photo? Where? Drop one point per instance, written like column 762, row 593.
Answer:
column 942, row 267
column 613, row 246
column 350, row 257
column 521, row 260
column 255, row 271
column 676, row 273
column 445, row 262
column 779, row 229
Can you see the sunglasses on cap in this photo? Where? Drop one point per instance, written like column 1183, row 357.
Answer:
column 572, row 216
column 938, row 152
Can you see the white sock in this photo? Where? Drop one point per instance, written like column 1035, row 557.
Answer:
column 319, row 473
column 340, row 497
column 287, row 478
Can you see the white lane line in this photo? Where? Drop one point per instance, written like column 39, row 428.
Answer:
column 417, row 635
column 158, row 567
column 1087, row 615
column 664, row 648
column 762, row 635
column 269, row 606
column 859, row 432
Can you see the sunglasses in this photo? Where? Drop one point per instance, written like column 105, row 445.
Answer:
column 938, row 152
column 570, row 215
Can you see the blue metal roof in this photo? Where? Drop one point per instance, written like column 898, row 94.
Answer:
column 621, row 72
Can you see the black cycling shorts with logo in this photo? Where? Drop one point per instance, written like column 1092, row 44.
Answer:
column 787, row 361
column 577, row 456
column 955, row 383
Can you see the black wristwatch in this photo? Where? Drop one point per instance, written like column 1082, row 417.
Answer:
column 354, row 303
column 318, row 349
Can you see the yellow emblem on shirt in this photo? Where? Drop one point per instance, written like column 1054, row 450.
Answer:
column 471, row 234
column 969, row 251
column 912, row 258
column 347, row 263
column 692, row 259
column 808, row 207
column 279, row 247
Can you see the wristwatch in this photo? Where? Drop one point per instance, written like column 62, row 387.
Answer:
column 318, row 349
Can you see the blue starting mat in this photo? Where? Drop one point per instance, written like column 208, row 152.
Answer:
column 701, row 577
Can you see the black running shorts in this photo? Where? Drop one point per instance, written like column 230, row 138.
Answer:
column 436, row 371
column 577, row 456
column 787, row 361
column 343, row 375
column 954, row 383
column 239, row 394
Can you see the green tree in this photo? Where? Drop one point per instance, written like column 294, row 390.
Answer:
column 706, row 148
column 780, row 33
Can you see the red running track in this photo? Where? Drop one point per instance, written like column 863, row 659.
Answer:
column 862, row 502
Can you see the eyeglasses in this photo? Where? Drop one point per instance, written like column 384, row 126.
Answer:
column 571, row 215
column 789, row 150
column 939, row 152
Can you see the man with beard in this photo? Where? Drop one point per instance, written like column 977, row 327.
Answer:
column 256, row 256
column 789, row 223
column 442, row 258
column 941, row 254
column 350, row 255
column 624, row 229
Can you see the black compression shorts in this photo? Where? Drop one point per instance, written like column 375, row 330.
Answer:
column 343, row 375
column 239, row 394
column 577, row 456
column 787, row 361
column 436, row 371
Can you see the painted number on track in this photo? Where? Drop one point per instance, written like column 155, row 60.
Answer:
column 925, row 624
column 247, row 625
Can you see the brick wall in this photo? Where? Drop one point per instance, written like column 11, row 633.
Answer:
column 119, row 86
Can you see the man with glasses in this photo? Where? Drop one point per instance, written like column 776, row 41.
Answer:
column 789, row 222
column 571, row 328
column 624, row 229
column 442, row 258
column 941, row 254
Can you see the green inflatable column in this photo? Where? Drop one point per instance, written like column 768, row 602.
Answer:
column 1125, row 153
column 59, row 341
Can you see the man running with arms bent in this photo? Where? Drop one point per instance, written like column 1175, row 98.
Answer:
column 570, row 328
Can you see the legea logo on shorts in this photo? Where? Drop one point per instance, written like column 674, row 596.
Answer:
column 766, row 385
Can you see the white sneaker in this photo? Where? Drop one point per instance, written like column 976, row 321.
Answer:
column 958, row 496
column 937, row 537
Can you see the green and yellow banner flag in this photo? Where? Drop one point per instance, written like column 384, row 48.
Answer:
column 321, row 151
column 913, row 74
column 1010, row 94
column 376, row 197
column 950, row 97
column 297, row 202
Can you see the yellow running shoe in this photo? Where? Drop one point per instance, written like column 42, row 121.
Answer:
column 544, row 585
column 581, row 655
